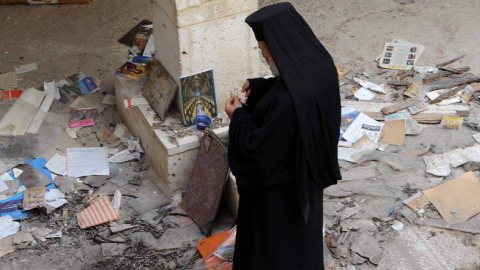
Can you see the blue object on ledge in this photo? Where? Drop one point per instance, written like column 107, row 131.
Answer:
column 202, row 121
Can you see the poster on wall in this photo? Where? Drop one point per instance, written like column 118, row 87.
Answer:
column 198, row 96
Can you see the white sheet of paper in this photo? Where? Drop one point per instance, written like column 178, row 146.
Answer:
column 149, row 48
column 26, row 68
column 365, row 94
column 370, row 86
column 17, row 172
column 472, row 153
column 50, row 87
column 6, row 177
column 57, row 164
column 438, row 165
column 354, row 132
column 87, row 161
column 3, row 186
column 124, row 156
column 109, row 99
column 54, row 194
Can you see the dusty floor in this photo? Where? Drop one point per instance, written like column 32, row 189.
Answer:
column 66, row 39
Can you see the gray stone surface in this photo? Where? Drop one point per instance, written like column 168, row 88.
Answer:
column 113, row 249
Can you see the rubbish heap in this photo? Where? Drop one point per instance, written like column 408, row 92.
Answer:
column 400, row 163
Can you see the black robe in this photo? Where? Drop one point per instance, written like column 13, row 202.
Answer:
column 283, row 147
column 264, row 154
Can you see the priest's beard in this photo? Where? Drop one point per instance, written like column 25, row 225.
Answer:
column 273, row 67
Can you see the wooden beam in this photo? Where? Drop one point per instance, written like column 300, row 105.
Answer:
column 450, row 61
column 452, row 82
column 399, row 106
column 447, row 94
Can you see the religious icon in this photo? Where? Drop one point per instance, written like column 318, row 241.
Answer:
column 198, row 96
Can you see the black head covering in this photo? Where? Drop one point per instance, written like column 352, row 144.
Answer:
column 310, row 75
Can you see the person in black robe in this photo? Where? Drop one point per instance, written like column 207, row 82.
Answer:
column 283, row 146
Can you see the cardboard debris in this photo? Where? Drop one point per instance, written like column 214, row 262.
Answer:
column 437, row 165
column 417, row 153
column 417, row 201
column 394, row 132
column 364, row 143
column 109, row 100
column 124, row 156
column 457, row 200
column 105, row 135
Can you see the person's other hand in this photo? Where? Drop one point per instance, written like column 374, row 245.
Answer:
column 232, row 104
column 246, row 86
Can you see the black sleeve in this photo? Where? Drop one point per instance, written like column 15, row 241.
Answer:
column 260, row 149
column 258, row 87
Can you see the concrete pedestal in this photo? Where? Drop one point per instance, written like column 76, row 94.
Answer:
column 192, row 36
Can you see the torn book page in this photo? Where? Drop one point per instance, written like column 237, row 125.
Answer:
column 150, row 47
column 8, row 81
column 87, row 161
column 472, row 153
column 437, row 165
column 398, row 56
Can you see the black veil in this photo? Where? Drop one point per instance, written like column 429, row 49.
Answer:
column 311, row 78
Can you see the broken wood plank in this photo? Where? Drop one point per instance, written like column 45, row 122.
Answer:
column 424, row 118
column 447, row 94
column 435, row 76
column 450, row 61
column 459, row 70
column 398, row 83
column 452, row 82
column 399, row 106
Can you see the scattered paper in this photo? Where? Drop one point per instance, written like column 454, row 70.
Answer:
column 437, row 165
column 414, row 91
column 466, row 94
column 457, row 157
column 8, row 81
column 361, row 126
column 349, row 114
column 87, row 161
column 364, row 143
column 121, row 131
column 394, row 132
column 417, row 201
column 382, row 145
column 341, row 70
column 6, row 177
column 105, row 135
column 50, row 87
column 117, row 200
column 150, row 47
column 34, row 197
column 8, row 226
column 57, row 164
column 55, row 198
column 80, row 118
column 477, row 137
column 472, row 153
column 370, row 86
column 457, row 200
column 451, row 122
column 26, row 68
column 100, row 212
column 365, row 94
column 109, row 99
column 450, row 100
column 419, row 107
column 3, row 186
column 124, row 156
column 84, row 102
column 399, row 55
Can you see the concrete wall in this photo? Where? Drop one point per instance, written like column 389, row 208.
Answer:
column 192, row 36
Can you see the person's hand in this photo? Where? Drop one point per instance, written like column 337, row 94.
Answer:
column 246, row 86
column 232, row 104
